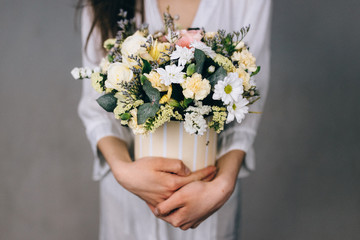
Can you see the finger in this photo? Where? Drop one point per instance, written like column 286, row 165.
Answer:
column 196, row 176
column 169, row 205
column 210, row 177
column 152, row 208
column 172, row 165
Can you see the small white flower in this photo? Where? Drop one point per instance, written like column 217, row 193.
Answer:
column 97, row 69
column 171, row 74
column 82, row 72
column 88, row 72
column 211, row 69
column 203, row 47
column 195, row 123
column 237, row 110
column 183, row 54
column 75, row 73
column 230, row 89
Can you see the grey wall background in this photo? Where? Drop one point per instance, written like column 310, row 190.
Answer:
column 307, row 181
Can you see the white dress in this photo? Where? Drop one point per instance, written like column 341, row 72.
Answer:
column 122, row 214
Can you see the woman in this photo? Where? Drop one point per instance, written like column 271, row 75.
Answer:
column 133, row 192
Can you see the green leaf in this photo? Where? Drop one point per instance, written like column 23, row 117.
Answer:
column 191, row 69
column 218, row 75
column 107, row 102
column 125, row 116
column 185, row 103
column 147, row 67
column 152, row 93
column 110, row 58
column 256, row 72
column 145, row 111
column 143, row 78
column 174, row 103
column 200, row 58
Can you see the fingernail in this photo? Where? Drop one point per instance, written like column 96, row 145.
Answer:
column 187, row 171
column 156, row 212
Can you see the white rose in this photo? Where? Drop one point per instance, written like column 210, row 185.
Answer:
column 118, row 73
column 132, row 44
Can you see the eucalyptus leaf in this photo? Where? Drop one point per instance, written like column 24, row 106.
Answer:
column 107, row 102
column 152, row 93
column 200, row 58
column 218, row 75
column 145, row 111
column 147, row 67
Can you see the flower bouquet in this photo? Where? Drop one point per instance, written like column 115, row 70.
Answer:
column 175, row 89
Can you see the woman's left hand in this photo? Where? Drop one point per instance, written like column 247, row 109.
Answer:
column 193, row 203
column 198, row 200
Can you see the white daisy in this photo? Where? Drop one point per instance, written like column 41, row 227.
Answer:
column 203, row 47
column 183, row 54
column 171, row 74
column 230, row 89
column 237, row 110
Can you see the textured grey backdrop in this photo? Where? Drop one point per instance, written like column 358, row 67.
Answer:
column 307, row 181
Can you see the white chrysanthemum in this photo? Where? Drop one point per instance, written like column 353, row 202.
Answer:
column 171, row 74
column 237, row 110
column 183, row 54
column 203, row 47
column 230, row 89
column 195, row 123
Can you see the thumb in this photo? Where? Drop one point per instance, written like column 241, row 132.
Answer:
column 174, row 166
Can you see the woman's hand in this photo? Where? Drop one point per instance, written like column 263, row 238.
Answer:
column 195, row 202
column 153, row 179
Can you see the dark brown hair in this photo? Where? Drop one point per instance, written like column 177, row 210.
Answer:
column 105, row 15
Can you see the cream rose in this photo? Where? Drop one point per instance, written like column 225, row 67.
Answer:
column 195, row 87
column 132, row 44
column 118, row 73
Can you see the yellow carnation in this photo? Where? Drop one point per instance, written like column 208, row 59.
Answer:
column 195, row 87
column 246, row 60
column 245, row 77
column 154, row 78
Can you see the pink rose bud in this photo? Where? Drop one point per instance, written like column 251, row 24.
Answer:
column 188, row 37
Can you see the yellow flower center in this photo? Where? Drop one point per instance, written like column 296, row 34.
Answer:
column 228, row 89
column 234, row 106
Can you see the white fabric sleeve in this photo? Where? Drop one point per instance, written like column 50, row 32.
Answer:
column 97, row 121
column 241, row 136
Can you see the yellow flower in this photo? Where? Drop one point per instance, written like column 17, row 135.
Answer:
column 158, row 52
column 224, row 62
column 195, row 87
column 166, row 97
column 246, row 60
column 137, row 129
column 154, row 78
column 95, row 82
column 245, row 77
column 109, row 43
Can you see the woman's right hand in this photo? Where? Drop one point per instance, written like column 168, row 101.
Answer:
column 155, row 179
